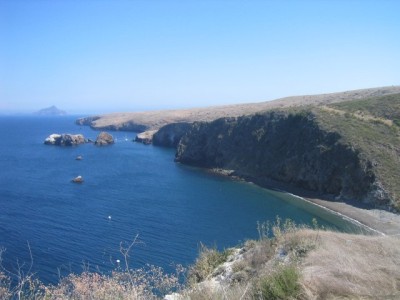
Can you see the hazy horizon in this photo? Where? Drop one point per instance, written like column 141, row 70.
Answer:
column 108, row 56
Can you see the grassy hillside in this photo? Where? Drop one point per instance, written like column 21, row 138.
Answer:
column 298, row 263
column 151, row 120
column 370, row 126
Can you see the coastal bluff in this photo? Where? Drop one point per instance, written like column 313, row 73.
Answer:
column 347, row 151
column 342, row 146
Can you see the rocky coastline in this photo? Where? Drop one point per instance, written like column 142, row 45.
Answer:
column 300, row 148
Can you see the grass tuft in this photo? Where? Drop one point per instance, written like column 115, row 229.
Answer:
column 281, row 284
column 207, row 261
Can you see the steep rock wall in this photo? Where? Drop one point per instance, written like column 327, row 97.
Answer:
column 170, row 135
column 289, row 148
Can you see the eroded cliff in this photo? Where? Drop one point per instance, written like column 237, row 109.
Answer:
column 293, row 147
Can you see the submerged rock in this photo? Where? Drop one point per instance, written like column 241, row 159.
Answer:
column 64, row 139
column 104, row 138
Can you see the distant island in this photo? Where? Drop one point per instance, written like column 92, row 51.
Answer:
column 50, row 111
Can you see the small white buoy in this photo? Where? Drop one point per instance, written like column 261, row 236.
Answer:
column 118, row 261
column 109, row 217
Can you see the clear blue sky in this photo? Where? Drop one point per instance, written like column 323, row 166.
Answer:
column 100, row 56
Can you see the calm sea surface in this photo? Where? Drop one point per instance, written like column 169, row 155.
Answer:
column 171, row 207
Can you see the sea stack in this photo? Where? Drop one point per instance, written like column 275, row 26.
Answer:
column 103, row 139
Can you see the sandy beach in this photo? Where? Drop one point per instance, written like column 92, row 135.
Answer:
column 380, row 221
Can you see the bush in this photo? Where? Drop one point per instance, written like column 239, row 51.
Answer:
column 208, row 260
column 282, row 284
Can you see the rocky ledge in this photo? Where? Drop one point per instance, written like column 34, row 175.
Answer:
column 145, row 137
column 65, row 139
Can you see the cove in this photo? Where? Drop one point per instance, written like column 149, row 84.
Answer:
column 170, row 206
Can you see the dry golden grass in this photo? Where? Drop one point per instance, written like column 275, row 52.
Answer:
column 298, row 263
column 358, row 115
column 156, row 119
column 352, row 267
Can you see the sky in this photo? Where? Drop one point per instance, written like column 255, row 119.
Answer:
column 99, row 56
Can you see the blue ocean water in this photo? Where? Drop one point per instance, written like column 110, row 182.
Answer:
column 170, row 206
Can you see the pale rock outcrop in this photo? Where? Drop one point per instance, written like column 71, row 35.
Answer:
column 104, row 138
column 64, row 139
column 145, row 137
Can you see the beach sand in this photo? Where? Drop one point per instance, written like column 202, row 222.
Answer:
column 381, row 221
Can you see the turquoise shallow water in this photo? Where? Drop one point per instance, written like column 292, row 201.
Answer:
column 171, row 207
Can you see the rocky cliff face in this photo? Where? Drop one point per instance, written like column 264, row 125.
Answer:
column 285, row 147
column 170, row 135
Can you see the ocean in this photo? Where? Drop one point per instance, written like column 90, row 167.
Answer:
column 130, row 190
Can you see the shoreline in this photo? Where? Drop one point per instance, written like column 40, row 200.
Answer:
column 377, row 221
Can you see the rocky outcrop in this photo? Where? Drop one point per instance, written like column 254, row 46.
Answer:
column 145, row 137
column 285, row 147
column 86, row 121
column 103, row 139
column 64, row 139
column 170, row 135
column 78, row 179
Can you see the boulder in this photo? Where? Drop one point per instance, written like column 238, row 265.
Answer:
column 64, row 139
column 104, row 138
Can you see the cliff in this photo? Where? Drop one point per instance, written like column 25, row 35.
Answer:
column 170, row 135
column 348, row 150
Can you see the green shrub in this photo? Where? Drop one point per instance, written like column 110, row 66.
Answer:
column 282, row 284
column 207, row 261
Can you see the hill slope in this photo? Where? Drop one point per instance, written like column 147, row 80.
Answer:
column 142, row 121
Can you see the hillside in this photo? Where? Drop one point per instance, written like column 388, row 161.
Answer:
column 348, row 150
column 297, row 263
column 151, row 120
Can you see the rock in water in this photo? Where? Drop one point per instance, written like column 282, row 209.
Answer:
column 78, row 179
column 104, row 138
column 64, row 139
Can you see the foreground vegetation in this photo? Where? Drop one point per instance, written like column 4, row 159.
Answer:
column 298, row 263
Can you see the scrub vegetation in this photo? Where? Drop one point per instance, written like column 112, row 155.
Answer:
column 286, row 262
column 372, row 127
